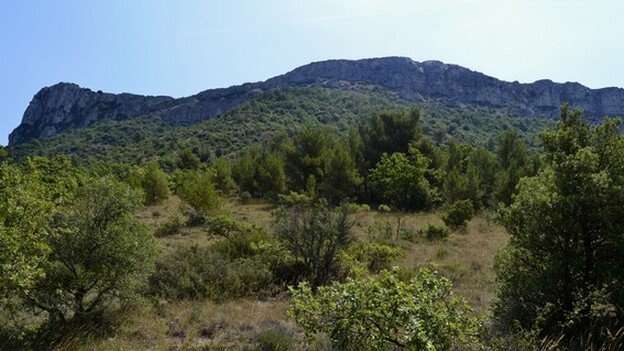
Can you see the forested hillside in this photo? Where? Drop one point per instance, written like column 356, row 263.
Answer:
column 316, row 220
column 269, row 114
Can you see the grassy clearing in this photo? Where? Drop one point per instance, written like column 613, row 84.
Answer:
column 466, row 257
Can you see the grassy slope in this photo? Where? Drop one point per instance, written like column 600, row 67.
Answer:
column 141, row 139
column 466, row 257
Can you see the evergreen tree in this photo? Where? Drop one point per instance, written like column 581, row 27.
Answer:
column 563, row 265
column 388, row 133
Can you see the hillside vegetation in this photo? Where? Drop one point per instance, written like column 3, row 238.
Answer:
column 352, row 233
column 142, row 139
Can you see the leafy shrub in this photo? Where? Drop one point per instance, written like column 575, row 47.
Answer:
column 241, row 240
column 198, row 190
column 199, row 272
column 435, row 232
column 99, row 254
column 370, row 257
column 399, row 180
column 276, row 338
column 363, row 315
column 314, row 234
column 458, row 213
column 222, row 170
column 155, row 184
column 260, row 172
column 353, row 207
column 408, row 234
column 25, row 214
column 188, row 160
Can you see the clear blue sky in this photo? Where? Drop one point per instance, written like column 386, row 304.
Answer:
column 181, row 47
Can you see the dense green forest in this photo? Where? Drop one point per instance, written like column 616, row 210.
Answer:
column 281, row 111
column 157, row 223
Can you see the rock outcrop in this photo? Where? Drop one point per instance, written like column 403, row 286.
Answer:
column 65, row 106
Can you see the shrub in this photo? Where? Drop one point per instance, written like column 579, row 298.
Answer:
column 197, row 189
column 399, row 180
column 100, row 254
column 363, row 315
column 223, row 180
column 276, row 338
column 370, row 257
column 200, row 272
column 25, row 213
column 458, row 213
column 155, row 184
column 314, row 234
column 435, row 232
column 241, row 240
column 408, row 234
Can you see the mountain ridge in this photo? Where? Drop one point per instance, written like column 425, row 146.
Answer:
column 66, row 106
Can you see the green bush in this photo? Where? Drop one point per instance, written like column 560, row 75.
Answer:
column 200, row 272
column 563, row 264
column 387, row 313
column 223, row 180
column 372, row 256
column 240, row 239
column 314, row 234
column 198, row 190
column 435, row 232
column 155, row 184
column 458, row 213
column 399, row 180
column 277, row 338
column 99, row 254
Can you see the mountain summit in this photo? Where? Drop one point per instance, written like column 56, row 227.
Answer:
column 64, row 106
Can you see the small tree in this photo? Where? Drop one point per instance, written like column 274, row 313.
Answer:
column 388, row 133
column 342, row 179
column 155, row 184
column 399, row 180
column 307, row 156
column 198, row 190
column 458, row 213
column 99, row 253
column 223, row 180
column 314, row 234
column 566, row 253
column 260, row 172
column 386, row 313
column 25, row 213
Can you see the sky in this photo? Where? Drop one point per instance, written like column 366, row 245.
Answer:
column 178, row 48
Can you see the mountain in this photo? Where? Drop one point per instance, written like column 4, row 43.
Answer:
column 66, row 106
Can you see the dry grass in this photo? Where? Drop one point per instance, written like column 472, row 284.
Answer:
column 466, row 257
column 193, row 325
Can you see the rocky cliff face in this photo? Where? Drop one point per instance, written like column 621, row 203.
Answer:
column 64, row 106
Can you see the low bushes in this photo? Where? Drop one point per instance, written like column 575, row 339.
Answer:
column 370, row 257
column 435, row 232
column 387, row 312
column 196, row 272
column 458, row 213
